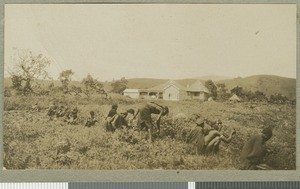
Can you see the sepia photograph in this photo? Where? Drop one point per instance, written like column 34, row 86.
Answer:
column 149, row 87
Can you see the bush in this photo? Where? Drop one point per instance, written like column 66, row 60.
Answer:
column 31, row 141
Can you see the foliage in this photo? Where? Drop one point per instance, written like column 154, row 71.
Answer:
column 222, row 94
column 91, row 85
column 209, row 84
column 31, row 141
column 65, row 78
column 119, row 86
column 237, row 90
column 75, row 89
column 256, row 96
column 29, row 67
column 278, row 99
column 7, row 91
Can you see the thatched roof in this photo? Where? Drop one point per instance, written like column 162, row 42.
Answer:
column 163, row 86
column 198, row 87
column 234, row 98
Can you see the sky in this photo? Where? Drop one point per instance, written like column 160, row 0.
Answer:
column 166, row 41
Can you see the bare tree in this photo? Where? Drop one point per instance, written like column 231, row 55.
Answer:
column 29, row 67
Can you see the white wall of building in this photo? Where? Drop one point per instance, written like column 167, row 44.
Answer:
column 132, row 94
column 171, row 93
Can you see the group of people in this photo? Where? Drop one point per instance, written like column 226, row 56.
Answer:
column 205, row 137
column 69, row 115
column 115, row 120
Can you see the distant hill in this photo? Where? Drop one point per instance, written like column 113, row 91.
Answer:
column 144, row 83
column 214, row 78
column 267, row 84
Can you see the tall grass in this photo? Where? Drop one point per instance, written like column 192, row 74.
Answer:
column 31, row 141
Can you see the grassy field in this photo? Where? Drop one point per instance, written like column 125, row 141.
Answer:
column 31, row 141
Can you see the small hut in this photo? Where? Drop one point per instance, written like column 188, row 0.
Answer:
column 235, row 98
column 210, row 99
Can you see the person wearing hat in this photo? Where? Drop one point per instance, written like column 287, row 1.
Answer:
column 145, row 122
column 254, row 151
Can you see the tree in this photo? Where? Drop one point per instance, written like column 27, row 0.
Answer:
column 222, row 92
column 209, row 84
column 91, row 85
column 260, row 96
column 17, row 83
column 76, row 90
column 65, row 78
column 278, row 98
column 119, row 86
column 51, row 86
column 248, row 95
column 29, row 67
column 237, row 90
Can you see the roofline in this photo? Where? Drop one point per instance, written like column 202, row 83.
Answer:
column 198, row 91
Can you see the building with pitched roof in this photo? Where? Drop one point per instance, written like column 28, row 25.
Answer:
column 197, row 91
column 170, row 90
column 132, row 93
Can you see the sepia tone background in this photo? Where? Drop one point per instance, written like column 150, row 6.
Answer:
column 146, row 175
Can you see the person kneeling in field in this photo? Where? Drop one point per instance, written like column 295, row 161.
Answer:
column 207, row 138
column 128, row 117
column 213, row 140
column 214, row 137
column 111, row 118
column 145, row 122
column 72, row 117
column 115, row 120
column 254, row 151
column 91, row 121
column 52, row 111
column 196, row 136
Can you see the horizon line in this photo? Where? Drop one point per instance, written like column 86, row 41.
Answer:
column 195, row 78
